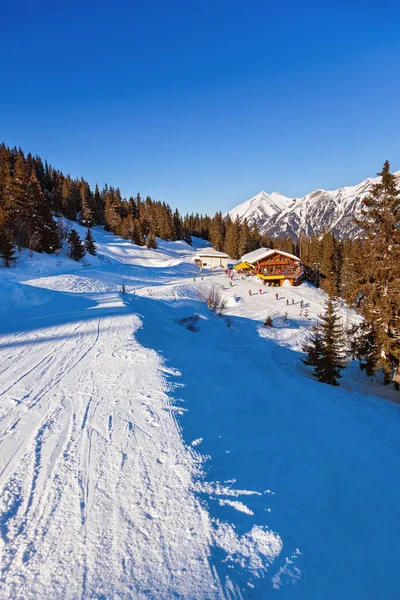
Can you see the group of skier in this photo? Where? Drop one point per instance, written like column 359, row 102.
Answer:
column 250, row 292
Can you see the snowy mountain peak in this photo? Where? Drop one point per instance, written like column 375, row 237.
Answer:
column 277, row 215
column 262, row 206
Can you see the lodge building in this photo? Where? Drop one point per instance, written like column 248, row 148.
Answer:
column 273, row 267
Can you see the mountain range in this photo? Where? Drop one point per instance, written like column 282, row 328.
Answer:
column 277, row 215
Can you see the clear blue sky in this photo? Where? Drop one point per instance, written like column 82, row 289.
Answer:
column 204, row 103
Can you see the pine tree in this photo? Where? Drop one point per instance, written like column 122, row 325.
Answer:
column 364, row 347
column 40, row 229
column 177, row 221
column 314, row 349
column 87, row 212
column 217, row 232
column 324, row 349
column 380, row 291
column 245, row 243
column 151, row 241
column 76, row 248
column 232, row 235
column 6, row 248
column 90, row 244
column 186, row 236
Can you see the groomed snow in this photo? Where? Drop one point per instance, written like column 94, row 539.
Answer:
column 150, row 449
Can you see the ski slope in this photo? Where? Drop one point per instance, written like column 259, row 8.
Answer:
column 140, row 458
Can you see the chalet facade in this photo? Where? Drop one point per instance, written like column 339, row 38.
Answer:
column 274, row 267
column 210, row 258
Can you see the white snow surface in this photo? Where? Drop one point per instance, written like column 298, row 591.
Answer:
column 277, row 215
column 149, row 449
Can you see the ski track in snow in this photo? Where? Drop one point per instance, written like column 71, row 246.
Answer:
column 87, row 508
column 100, row 497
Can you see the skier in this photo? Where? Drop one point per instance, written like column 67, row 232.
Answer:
column 302, row 303
column 260, row 291
column 292, row 300
column 277, row 296
column 230, row 283
column 249, row 292
column 287, row 302
column 194, row 278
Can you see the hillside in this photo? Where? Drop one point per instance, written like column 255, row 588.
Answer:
column 150, row 449
column 278, row 216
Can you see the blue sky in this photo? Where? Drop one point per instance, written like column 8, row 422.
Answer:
column 204, row 103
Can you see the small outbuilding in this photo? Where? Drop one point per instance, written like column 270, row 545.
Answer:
column 210, row 258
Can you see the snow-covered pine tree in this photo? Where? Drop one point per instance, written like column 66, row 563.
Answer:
column 380, row 290
column 90, row 244
column 325, row 348
column 76, row 248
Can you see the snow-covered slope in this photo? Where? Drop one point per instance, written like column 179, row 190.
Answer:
column 335, row 210
column 151, row 450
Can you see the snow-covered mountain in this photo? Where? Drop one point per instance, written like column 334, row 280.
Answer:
column 277, row 215
column 262, row 207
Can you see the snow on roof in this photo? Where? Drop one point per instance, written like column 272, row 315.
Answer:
column 211, row 252
column 256, row 255
column 252, row 257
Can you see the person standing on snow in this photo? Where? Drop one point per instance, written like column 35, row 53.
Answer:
column 277, row 296
column 249, row 292
column 287, row 302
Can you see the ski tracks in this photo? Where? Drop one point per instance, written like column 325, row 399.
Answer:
column 96, row 484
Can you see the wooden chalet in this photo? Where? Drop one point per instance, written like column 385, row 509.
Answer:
column 274, row 267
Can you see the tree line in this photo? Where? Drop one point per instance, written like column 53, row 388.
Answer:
column 366, row 273
column 32, row 192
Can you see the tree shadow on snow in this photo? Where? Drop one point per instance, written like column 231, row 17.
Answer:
column 271, row 442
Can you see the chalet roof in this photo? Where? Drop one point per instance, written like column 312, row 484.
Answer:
column 211, row 253
column 257, row 255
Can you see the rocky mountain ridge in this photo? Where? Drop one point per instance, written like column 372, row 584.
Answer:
column 277, row 215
